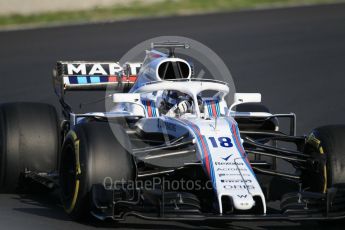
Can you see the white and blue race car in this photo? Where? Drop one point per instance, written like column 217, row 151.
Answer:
column 170, row 147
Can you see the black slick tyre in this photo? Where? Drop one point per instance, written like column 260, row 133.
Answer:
column 326, row 145
column 29, row 141
column 90, row 154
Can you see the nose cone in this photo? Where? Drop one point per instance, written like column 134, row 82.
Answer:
column 239, row 202
column 243, row 202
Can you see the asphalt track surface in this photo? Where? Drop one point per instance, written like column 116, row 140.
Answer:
column 295, row 57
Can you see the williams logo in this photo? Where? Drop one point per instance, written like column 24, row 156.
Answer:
column 242, row 196
column 227, row 158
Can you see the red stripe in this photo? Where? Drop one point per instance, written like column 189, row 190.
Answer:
column 206, row 157
column 112, row 79
column 214, row 111
column 149, row 109
column 204, row 148
column 239, row 144
column 132, row 78
column 203, row 145
column 237, row 141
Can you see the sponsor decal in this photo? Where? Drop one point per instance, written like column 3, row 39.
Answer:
column 228, row 163
column 242, row 196
column 236, row 181
column 93, row 69
column 231, row 169
column 227, row 158
column 224, row 142
column 238, row 186
column 233, row 174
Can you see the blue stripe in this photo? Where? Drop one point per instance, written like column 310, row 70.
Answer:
column 201, row 148
column 209, row 109
column 197, row 137
column 248, row 165
column 196, row 131
column 95, row 79
column 143, row 102
column 87, row 79
column 239, row 148
column 153, row 108
column 211, row 164
column 73, row 80
column 103, row 78
column 152, row 105
column 217, row 107
column 82, row 80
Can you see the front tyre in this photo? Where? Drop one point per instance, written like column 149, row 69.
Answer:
column 90, row 154
column 326, row 145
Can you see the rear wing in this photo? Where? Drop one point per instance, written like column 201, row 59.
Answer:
column 82, row 75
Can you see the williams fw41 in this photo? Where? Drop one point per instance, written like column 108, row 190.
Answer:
column 170, row 147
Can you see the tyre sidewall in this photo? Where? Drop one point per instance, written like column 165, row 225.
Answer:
column 327, row 149
column 92, row 146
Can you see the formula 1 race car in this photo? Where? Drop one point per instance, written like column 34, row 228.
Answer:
column 171, row 147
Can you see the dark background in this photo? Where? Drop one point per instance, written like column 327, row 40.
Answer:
column 295, row 57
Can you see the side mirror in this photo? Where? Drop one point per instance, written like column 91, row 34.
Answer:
column 241, row 98
column 133, row 99
column 126, row 98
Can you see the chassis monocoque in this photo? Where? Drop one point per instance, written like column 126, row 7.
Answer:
column 170, row 148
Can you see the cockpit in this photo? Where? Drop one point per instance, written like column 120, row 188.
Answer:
column 177, row 98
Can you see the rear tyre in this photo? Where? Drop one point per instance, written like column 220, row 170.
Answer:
column 90, row 154
column 326, row 145
column 29, row 141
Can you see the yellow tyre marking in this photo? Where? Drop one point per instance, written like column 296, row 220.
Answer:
column 76, row 146
column 321, row 150
column 75, row 196
column 317, row 144
column 324, row 172
column 74, row 135
column 78, row 171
